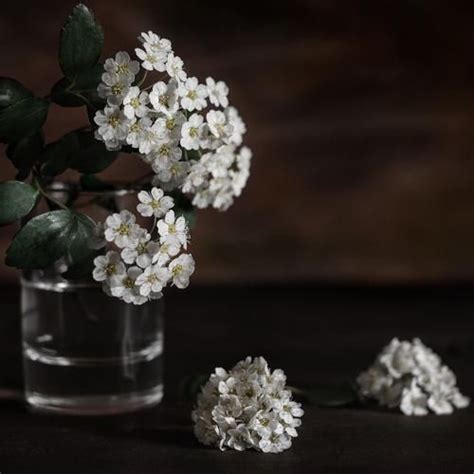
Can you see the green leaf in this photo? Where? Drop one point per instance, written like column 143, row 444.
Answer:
column 81, row 268
column 330, row 395
column 81, row 42
column 22, row 118
column 190, row 386
column 17, row 199
column 91, row 156
column 12, row 91
column 81, row 90
column 57, row 156
column 90, row 182
column 24, row 153
column 48, row 237
column 184, row 207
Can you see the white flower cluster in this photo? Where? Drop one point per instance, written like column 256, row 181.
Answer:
column 411, row 376
column 143, row 262
column 170, row 125
column 247, row 407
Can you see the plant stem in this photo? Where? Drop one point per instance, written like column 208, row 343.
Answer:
column 48, row 197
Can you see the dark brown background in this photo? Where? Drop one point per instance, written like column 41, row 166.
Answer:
column 360, row 117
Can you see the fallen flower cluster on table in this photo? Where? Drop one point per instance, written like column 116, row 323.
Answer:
column 411, row 377
column 247, row 407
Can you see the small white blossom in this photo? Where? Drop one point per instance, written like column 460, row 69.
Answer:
column 152, row 58
column 170, row 174
column 218, row 125
column 122, row 66
column 247, row 407
column 113, row 127
column 173, row 230
column 164, row 97
column 113, row 88
column 193, row 95
column 135, row 103
column 152, row 41
column 125, row 287
column 174, row 68
column 238, row 126
column 191, row 132
column 142, row 251
column 218, row 92
column 171, row 125
column 122, row 229
column 154, row 203
column 137, row 131
column 410, row 376
column 152, row 280
column 151, row 138
column 108, row 266
column 181, row 268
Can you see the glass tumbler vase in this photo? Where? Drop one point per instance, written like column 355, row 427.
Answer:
column 87, row 353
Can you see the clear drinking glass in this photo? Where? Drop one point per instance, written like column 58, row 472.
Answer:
column 87, row 353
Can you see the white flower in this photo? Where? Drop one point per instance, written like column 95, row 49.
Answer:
column 193, row 95
column 141, row 251
column 411, row 376
column 150, row 138
column 137, row 131
column 151, row 58
column 171, row 125
column 122, row 66
column 413, row 401
column 174, row 68
column 113, row 88
column 191, row 132
column 165, row 152
column 154, row 203
column 238, row 125
column 181, row 268
column 218, row 125
column 172, row 230
column 218, row 92
column 97, row 240
column 152, row 280
column 164, row 97
column 170, row 174
column 122, row 229
column 161, row 46
column 125, row 287
column 135, row 103
column 247, row 407
column 165, row 252
column 113, row 127
column 108, row 266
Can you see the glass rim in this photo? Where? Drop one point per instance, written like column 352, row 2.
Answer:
column 120, row 188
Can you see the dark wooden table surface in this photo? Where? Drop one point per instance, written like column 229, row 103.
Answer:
column 316, row 334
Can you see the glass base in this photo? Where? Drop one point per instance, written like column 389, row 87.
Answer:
column 95, row 405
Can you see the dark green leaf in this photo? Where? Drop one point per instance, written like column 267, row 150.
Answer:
column 57, row 156
column 12, row 91
column 22, row 118
column 81, row 268
column 17, row 199
column 24, row 153
column 331, row 395
column 48, row 237
column 80, row 42
column 61, row 94
column 81, row 90
column 90, row 182
column 190, row 386
column 184, row 207
column 91, row 156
